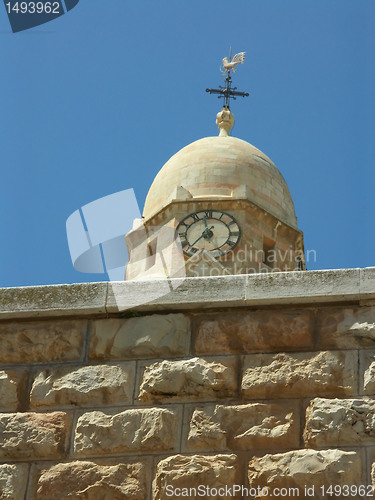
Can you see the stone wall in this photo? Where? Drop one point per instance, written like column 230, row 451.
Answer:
column 106, row 405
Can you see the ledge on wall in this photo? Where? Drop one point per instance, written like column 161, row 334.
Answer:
column 101, row 299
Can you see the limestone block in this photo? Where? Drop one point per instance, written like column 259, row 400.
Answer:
column 182, row 476
column 340, row 422
column 192, row 293
column 310, row 468
column 236, row 332
column 367, row 364
column 140, row 430
column 189, row 379
column 83, row 386
column 53, row 300
column 34, row 435
column 10, row 381
column 38, row 342
column 367, row 283
column 90, row 481
column 13, row 480
column 369, row 379
column 300, row 374
column 302, row 287
column 154, row 336
column 347, row 327
column 244, row 427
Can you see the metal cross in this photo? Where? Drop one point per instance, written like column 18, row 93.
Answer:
column 228, row 92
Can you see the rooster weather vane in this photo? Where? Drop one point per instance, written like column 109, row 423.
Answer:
column 226, row 67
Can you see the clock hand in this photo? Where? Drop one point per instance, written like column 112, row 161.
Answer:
column 208, row 233
column 205, row 222
column 203, row 235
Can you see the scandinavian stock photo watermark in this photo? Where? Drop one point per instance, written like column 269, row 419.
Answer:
column 251, row 260
column 240, row 491
column 96, row 237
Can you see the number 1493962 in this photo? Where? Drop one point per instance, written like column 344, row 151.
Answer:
column 33, row 7
column 344, row 491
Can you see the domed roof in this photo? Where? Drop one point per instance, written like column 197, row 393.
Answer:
column 214, row 168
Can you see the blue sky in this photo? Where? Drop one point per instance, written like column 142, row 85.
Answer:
column 98, row 100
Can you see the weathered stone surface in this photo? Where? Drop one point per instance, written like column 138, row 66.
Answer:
column 13, row 480
column 373, row 474
column 151, row 429
column 90, row 481
column 369, row 379
column 189, row 293
column 83, row 386
column 9, row 383
column 340, row 422
column 59, row 340
column 34, row 435
column 148, row 336
column 181, row 476
column 222, row 291
column 300, row 374
column 303, row 287
column 240, row 332
column 244, row 427
column 188, row 379
column 53, row 300
column 367, row 283
column 370, row 460
column 368, row 369
column 311, row 468
column 347, row 327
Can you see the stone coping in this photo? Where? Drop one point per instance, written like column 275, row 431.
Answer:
column 100, row 299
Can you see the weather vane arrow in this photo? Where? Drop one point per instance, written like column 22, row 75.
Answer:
column 228, row 92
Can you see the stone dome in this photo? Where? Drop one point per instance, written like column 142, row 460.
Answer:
column 218, row 168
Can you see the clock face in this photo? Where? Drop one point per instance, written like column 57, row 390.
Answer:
column 213, row 230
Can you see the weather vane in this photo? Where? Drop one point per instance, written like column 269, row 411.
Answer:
column 227, row 66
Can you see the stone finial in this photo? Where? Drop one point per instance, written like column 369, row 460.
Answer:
column 225, row 121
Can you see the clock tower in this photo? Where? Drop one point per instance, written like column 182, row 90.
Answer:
column 218, row 206
column 226, row 209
